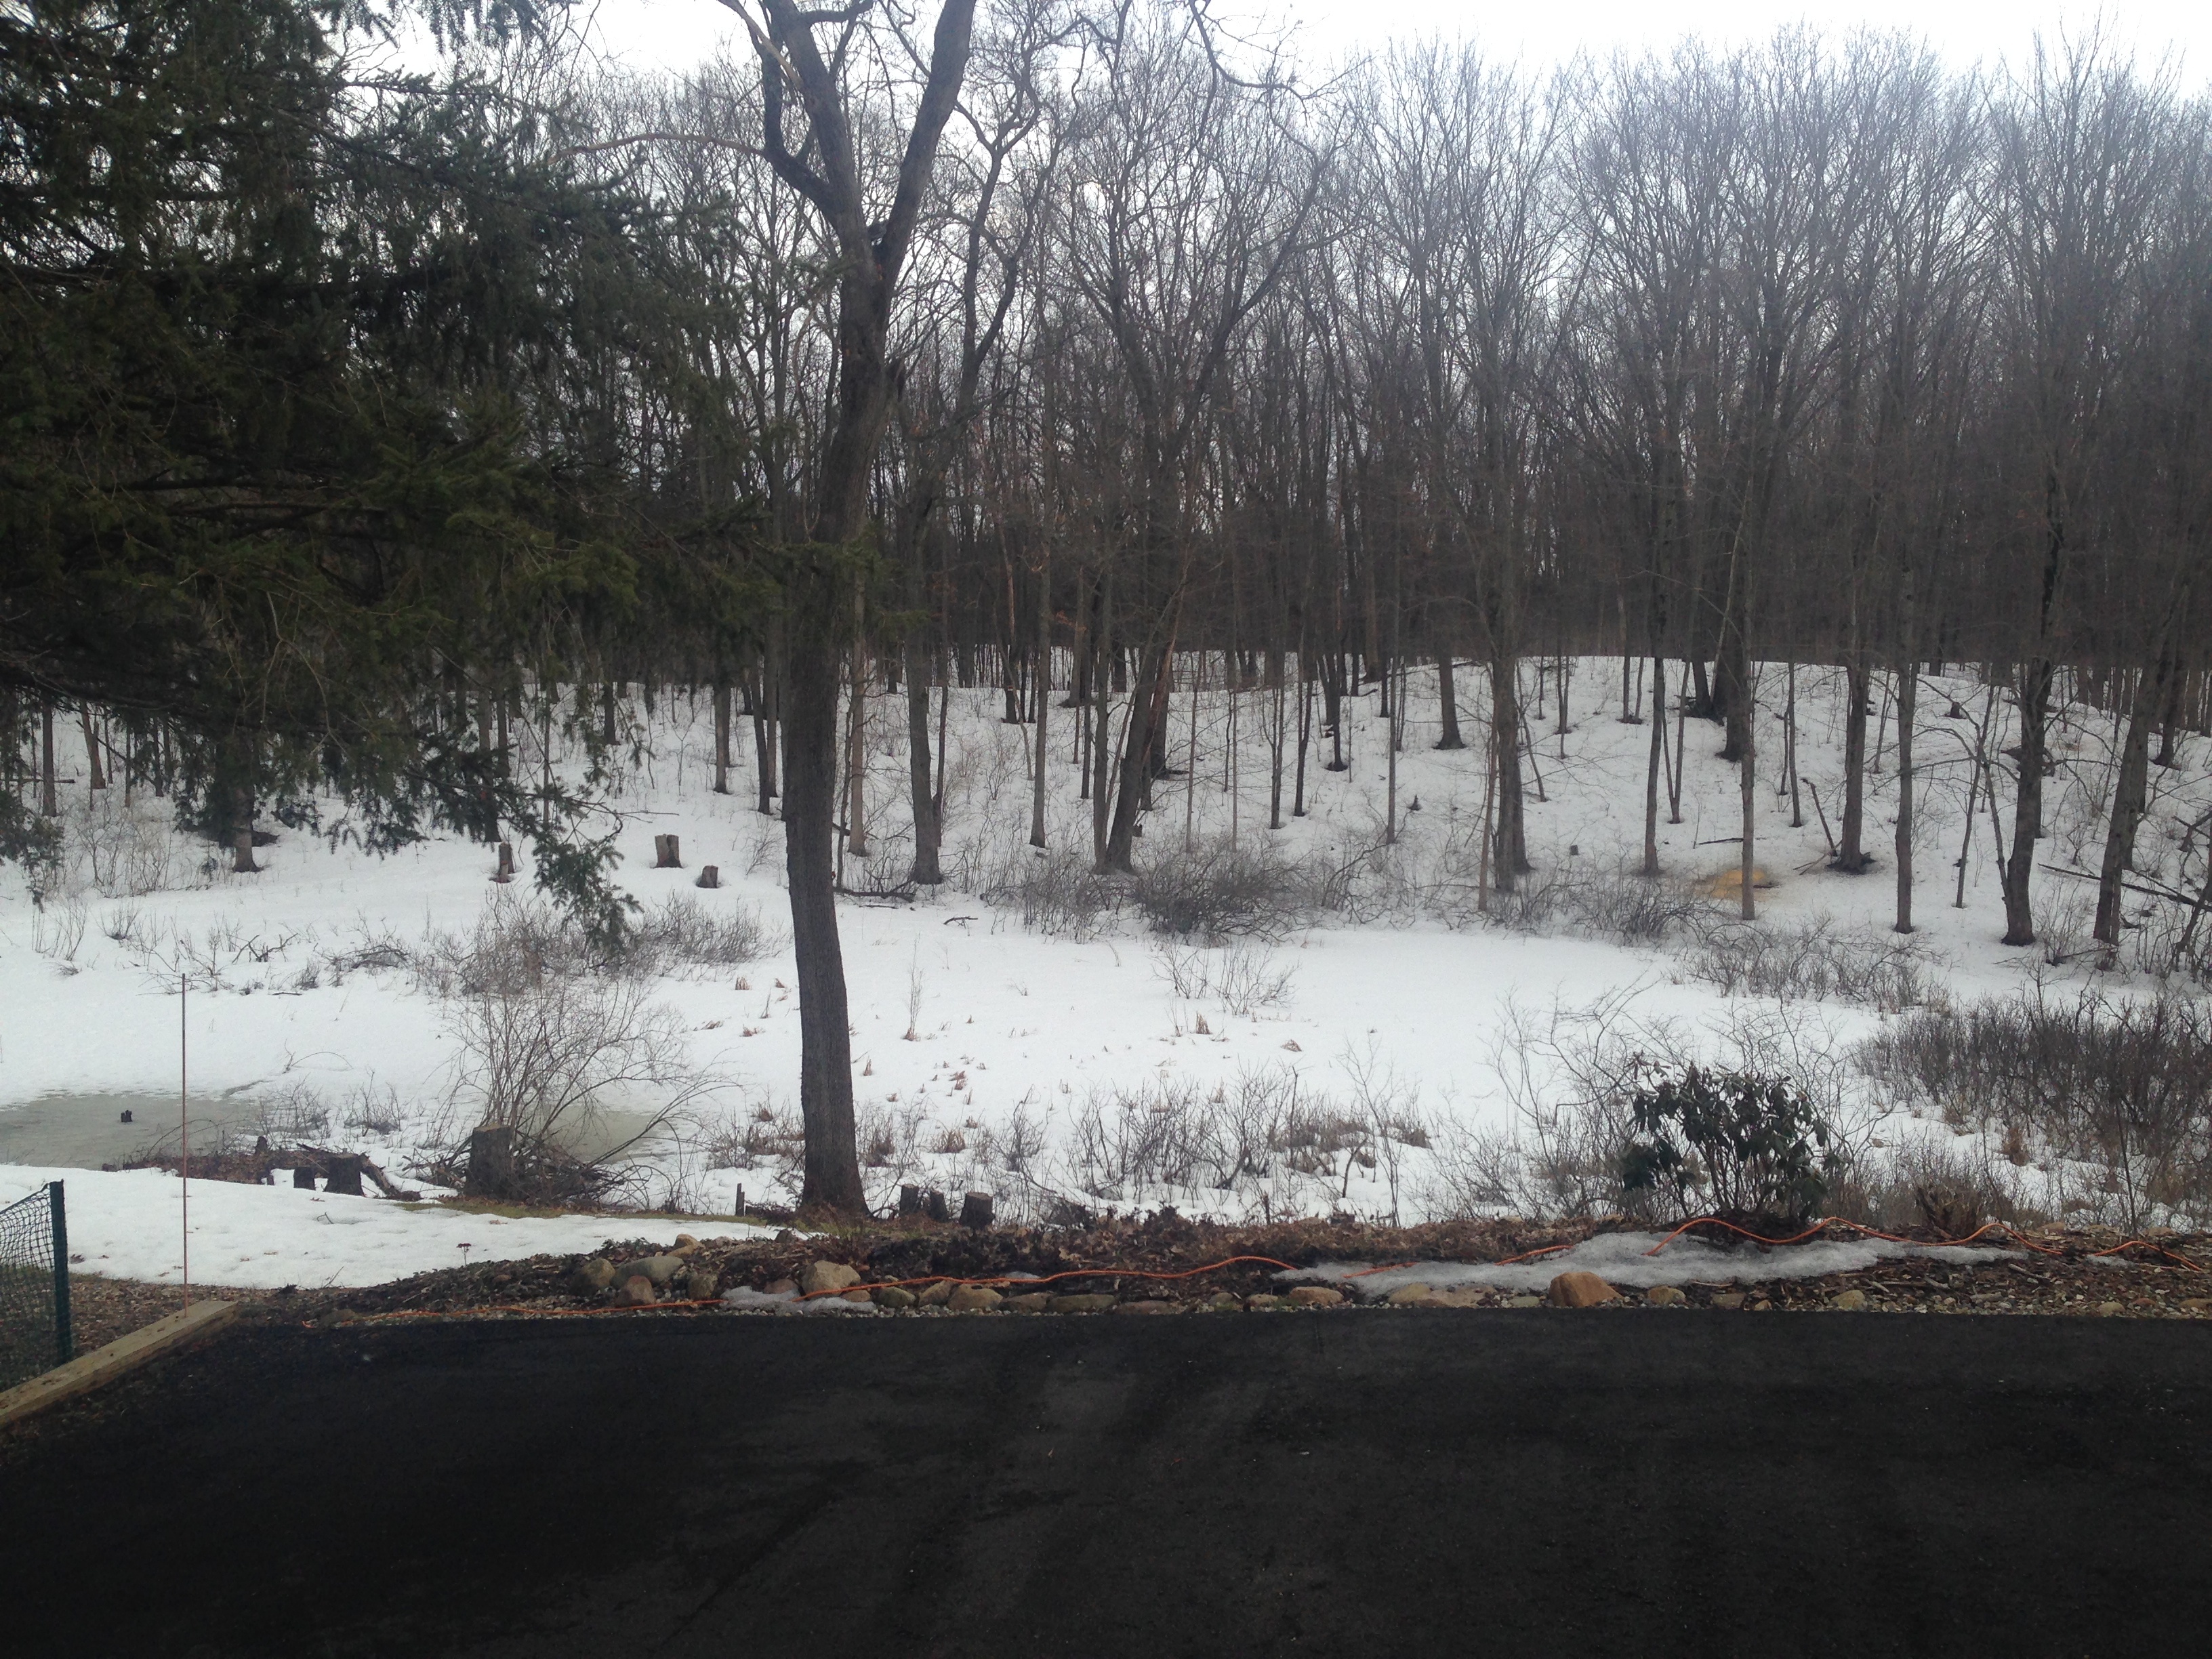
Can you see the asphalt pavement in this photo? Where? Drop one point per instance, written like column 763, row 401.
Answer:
column 1370, row 1482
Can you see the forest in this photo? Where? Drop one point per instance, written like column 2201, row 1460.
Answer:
column 386, row 450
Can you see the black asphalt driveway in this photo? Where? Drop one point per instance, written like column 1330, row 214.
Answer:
column 1367, row 1483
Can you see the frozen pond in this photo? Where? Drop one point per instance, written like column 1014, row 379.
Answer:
column 84, row 1131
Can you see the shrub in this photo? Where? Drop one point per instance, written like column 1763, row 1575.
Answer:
column 1814, row 960
column 1055, row 891
column 1747, row 1147
column 1225, row 890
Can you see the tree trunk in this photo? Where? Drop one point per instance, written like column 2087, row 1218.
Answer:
column 1447, row 704
column 1850, row 855
column 1041, row 697
column 2035, row 680
column 722, row 735
column 50, row 805
column 2130, row 795
column 1654, row 766
column 928, row 825
column 1908, row 698
column 1509, row 836
column 95, row 774
column 1141, row 744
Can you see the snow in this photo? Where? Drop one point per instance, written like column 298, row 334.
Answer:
column 126, row 1225
column 962, row 1019
column 1624, row 1259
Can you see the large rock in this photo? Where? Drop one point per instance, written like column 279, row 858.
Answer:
column 1029, row 1301
column 595, row 1275
column 658, row 1268
column 936, row 1295
column 817, row 1276
column 1417, row 1296
column 1315, row 1296
column 1085, row 1303
column 637, row 1291
column 973, row 1298
column 701, row 1286
column 892, row 1296
column 1850, row 1301
column 1665, row 1296
column 1576, row 1289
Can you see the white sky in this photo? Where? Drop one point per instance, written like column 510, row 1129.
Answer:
column 678, row 33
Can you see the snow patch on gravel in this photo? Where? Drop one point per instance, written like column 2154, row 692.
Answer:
column 1621, row 1259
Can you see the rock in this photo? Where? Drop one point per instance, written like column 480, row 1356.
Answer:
column 2107, row 1309
column 936, row 1295
column 1147, row 1306
column 1665, row 1296
column 856, row 1295
column 894, row 1296
column 1409, row 1295
column 1263, row 1303
column 1850, row 1301
column 1525, row 1302
column 1465, row 1296
column 1728, row 1299
column 684, row 1244
column 701, row 1286
column 1029, row 1301
column 636, row 1292
column 818, row 1276
column 2197, row 1303
column 658, row 1268
column 1221, row 1302
column 594, row 1276
column 1087, row 1302
column 1314, row 1296
column 780, row 1287
column 1576, row 1289
column 973, row 1298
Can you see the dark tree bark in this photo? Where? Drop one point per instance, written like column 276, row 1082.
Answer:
column 825, row 170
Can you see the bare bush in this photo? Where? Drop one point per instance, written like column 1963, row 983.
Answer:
column 2116, row 1094
column 683, row 932
column 1056, row 892
column 1576, row 899
column 545, row 1060
column 1222, row 889
column 1244, row 975
column 1815, row 960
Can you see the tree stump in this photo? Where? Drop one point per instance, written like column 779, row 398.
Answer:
column 710, row 875
column 491, row 1163
column 934, row 1207
column 344, row 1176
column 909, row 1200
column 664, row 853
column 506, row 871
column 303, row 1181
column 976, row 1212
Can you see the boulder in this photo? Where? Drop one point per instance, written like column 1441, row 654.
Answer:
column 701, row 1286
column 1665, row 1296
column 658, row 1268
column 637, row 1291
column 1410, row 1296
column 594, row 1276
column 1315, row 1296
column 1086, row 1303
column 1850, row 1301
column 936, row 1295
column 892, row 1296
column 817, row 1276
column 1576, row 1289
column 973, row 1298
column 1728, row 1299
column 1029, row 1301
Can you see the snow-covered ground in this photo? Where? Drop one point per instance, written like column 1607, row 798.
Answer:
column 978, row 1044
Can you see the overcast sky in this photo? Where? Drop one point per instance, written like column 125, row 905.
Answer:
column 678, row 33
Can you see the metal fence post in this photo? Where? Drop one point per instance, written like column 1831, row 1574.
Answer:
column 64, row 1336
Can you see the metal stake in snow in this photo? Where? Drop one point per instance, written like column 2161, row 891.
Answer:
column 184, row 1136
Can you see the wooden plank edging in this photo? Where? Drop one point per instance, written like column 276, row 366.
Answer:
column 125, row 1354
